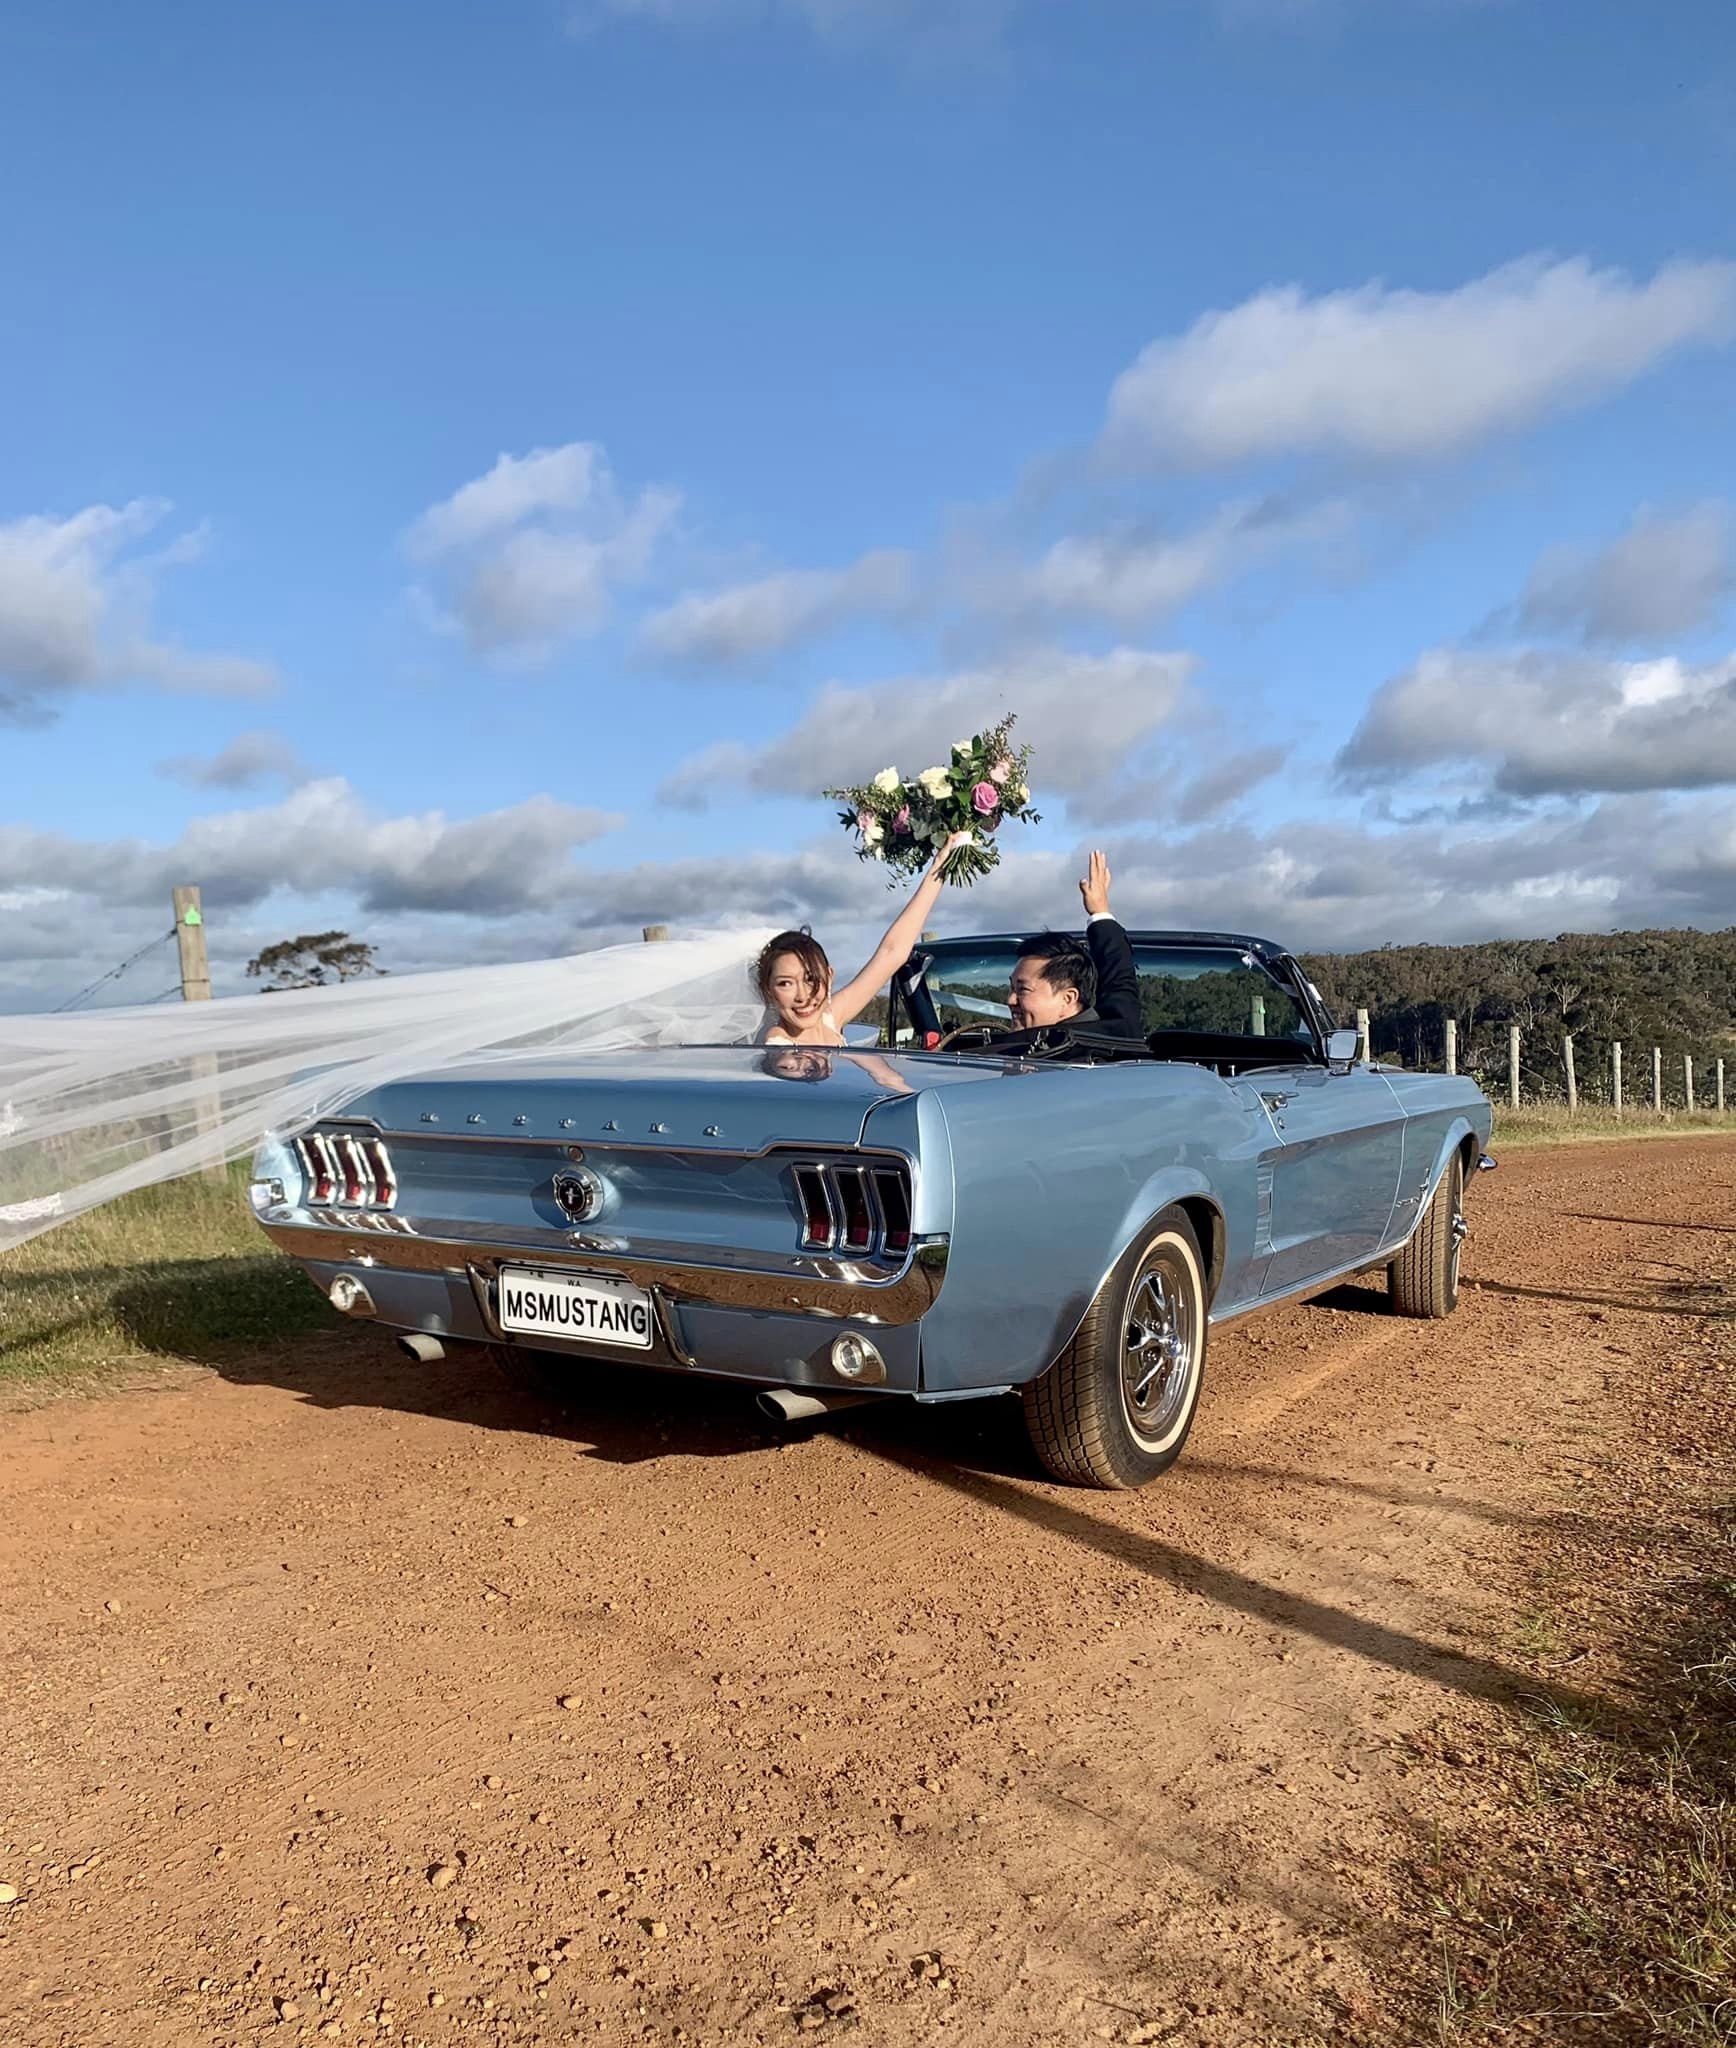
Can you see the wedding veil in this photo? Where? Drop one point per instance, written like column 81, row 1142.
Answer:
column 96, row 1104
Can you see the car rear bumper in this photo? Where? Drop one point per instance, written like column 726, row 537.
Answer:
column 736, row 1321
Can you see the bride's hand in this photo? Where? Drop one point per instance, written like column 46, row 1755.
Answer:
column 951, row 847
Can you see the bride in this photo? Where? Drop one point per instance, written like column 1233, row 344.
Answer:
column 794, row 976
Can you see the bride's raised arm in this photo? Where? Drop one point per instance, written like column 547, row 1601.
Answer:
column 859, row 991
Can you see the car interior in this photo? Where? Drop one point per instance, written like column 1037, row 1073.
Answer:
column 1210, row 1005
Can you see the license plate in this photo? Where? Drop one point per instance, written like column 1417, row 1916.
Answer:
column 535, row 1303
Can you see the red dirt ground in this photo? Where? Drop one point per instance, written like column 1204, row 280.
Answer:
column 353, row 1701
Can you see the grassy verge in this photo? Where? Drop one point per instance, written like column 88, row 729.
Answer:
column 1580, row 1883
column 1548, row 1123
column 180, row 1271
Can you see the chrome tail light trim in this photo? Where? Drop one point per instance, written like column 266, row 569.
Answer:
column 342, row 1171
column 864, row 1211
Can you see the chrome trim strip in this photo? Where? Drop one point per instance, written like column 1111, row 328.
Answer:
column 841, row 1289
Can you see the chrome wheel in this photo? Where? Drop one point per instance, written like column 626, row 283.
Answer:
column 1160, row 1349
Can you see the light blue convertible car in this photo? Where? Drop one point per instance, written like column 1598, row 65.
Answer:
column 1065, row 1216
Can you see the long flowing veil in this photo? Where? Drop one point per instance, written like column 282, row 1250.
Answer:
column 94, row 1105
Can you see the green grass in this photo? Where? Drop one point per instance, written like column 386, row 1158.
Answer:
column 1548, row 1123
column 174, row 1272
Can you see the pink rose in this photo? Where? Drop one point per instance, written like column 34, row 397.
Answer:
column 862, row 818
column 1000, row 771
column 901, row 823
column 985, row 798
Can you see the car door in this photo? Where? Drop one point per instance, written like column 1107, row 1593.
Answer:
column 1331, row 1175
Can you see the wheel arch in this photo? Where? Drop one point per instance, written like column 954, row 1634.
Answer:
column 1183, row 1190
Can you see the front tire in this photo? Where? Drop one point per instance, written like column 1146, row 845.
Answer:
column 1115, row 1408
column 1424, row 1279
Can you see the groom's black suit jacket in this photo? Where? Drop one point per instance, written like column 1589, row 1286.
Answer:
column 1116, row 1011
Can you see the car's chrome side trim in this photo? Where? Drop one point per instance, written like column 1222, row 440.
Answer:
column 856, row 1290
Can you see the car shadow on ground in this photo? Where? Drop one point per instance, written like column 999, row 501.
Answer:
column 208, row 1312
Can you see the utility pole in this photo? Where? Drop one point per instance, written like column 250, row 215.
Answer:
column 190, row 938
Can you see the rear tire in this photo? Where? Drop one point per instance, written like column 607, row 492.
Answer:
column 1115, row 1408
column 1424, row 1279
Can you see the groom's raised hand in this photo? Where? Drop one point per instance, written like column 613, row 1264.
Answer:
column 1094, row 886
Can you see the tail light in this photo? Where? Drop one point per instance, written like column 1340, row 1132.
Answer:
column 893, row 1193
column 860, row 1209
column 345, row 1172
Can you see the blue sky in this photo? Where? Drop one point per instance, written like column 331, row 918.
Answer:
column 471, row 475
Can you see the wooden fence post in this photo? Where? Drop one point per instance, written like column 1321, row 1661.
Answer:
column 1257, row 1016
column 190, row 942
column 1452, row 1045
column 1512, row 1066
column 1688, row 1081
column 1657, row 1081
column 1572, row 1084
column 1615, row 1075
column 654, row 934
column 1720, row 1072
column 196, row 988
column 1365, row 1050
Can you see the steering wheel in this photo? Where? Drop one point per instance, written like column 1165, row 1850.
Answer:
column 1008, row 1043
column 965, row 1035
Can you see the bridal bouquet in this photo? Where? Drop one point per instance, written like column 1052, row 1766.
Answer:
column 901, row 823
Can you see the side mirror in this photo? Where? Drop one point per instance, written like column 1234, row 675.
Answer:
column 1341, row 1047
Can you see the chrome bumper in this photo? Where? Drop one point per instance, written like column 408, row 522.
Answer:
column 804, row 1284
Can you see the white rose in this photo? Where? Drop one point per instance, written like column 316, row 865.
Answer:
column 873, row 832
column 960, row 748
column 936, row 781
column 886, row 781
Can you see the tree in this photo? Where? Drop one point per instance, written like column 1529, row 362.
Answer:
column 312, row 961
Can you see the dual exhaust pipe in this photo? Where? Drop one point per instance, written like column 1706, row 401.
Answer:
column 785, row 1405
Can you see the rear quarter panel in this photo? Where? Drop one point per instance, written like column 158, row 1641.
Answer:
column 1043, row 1180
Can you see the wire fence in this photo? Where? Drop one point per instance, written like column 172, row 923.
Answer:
column 114, row 974
column 1570, row 1074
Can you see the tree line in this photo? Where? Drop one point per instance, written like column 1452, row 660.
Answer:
column 1674, row 989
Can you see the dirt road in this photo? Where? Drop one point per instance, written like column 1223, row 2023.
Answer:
column 353, row 1701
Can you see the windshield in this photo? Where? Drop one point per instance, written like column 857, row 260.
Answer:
column 1181, row 988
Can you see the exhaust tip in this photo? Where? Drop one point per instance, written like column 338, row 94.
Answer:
column 791, row 1404
column 425, row 1350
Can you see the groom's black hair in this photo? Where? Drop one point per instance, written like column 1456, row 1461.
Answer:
column 1066, row 964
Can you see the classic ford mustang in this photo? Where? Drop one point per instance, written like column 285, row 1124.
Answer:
column 934, row 1217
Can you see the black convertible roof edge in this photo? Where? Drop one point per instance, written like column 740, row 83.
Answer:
column 1268, row 949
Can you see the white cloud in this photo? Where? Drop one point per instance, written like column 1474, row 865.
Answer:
column 1665, row 575
column 512, row 891
column 753, row 621
column 1085, row 715
column 1392, row 373
column 75, row 602
column 1542, row 724
column 533, row 552
column 323, row 837
column 1128, row 580
column 248, row 758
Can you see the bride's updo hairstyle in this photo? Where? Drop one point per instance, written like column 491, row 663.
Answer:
column 807, row 950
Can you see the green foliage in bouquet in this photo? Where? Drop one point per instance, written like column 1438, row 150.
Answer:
column 903, row 824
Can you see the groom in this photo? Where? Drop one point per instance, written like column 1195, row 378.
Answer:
column 1057, row 981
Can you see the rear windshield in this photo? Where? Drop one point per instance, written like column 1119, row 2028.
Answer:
column 1203, row 988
